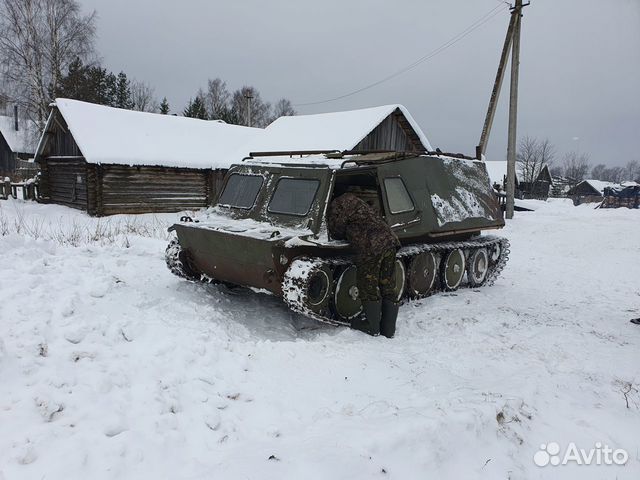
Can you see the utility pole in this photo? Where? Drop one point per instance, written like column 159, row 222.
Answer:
column 511, row 43
column 249, row 97
column 513, row 110
column 495, row 94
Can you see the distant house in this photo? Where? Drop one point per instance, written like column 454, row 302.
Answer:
column 389, row 127
column 539, row 188
column 589, row 191
column 107, row 160
column 627, row 194
column 15, row 143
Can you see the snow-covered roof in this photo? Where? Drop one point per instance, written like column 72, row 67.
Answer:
column 117, row 136
column 18, row 141
column 328, row 131
column 599, row 185
column 497, row 170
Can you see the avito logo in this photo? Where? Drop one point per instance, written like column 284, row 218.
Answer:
column 550, row 454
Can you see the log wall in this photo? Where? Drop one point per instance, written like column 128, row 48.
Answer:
column 64, row 182
column 112, row 189
column 151, row 189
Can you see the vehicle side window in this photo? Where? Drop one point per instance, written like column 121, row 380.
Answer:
column 241, row 191
column 293, row 196
column 397, row 195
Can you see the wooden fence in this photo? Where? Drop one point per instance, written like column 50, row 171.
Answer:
column 29, row 190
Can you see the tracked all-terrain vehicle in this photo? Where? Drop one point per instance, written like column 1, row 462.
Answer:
column 268, row 230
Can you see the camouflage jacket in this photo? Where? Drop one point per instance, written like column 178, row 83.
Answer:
column 350, row 218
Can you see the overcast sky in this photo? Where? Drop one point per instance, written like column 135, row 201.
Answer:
column 579, row 76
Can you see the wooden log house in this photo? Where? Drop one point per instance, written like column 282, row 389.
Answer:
column 15, row 143
column 107, row 161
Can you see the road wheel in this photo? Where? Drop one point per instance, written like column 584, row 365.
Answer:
column 318, row 290
column 478, row 267
column 401, row 279
column 453, row 269
column 346, row 300
column 422, row 274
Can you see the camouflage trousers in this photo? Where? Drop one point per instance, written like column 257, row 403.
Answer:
column 375, row 277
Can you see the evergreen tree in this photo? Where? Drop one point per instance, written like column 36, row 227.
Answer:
column 103, row 85
column 87, row 83
column 122, row 93
column 164, row 106
column 196, row 109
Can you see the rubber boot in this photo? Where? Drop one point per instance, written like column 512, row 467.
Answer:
column 389, row 316
column 369, row 320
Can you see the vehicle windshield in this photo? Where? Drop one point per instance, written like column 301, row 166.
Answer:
column 293, row 196
column 241, row 191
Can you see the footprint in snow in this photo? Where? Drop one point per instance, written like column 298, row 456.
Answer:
column 26, row 455
column 76, row 335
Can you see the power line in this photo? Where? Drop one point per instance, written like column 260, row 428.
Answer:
column 474, row 26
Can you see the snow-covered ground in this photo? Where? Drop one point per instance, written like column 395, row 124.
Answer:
column 110, row 367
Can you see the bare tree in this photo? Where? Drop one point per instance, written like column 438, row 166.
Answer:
column 614, row 174
column 532, row 156
column 216, row 99
column 143, row 96
column 38, row 41
column 283, row 108
column 546, row 152
column 576, row 165
column 260, row 111
column 599, row 171
column 527, row 160
column 632, row 171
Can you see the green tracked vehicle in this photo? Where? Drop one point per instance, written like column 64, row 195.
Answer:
column 268, row 229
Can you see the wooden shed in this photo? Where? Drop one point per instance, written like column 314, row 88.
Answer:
column 588, row 191
column 106, row 160
column 15, row 143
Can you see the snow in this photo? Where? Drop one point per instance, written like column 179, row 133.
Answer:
column 461, row 206
column 327, row 131
column 18, row 141
column 125, row 137
column 462, row 203
column 599, row 185
column 111, row 367
column 305, row 161
column 220, row 219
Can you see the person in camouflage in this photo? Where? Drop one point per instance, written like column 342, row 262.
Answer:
column 350, row 218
